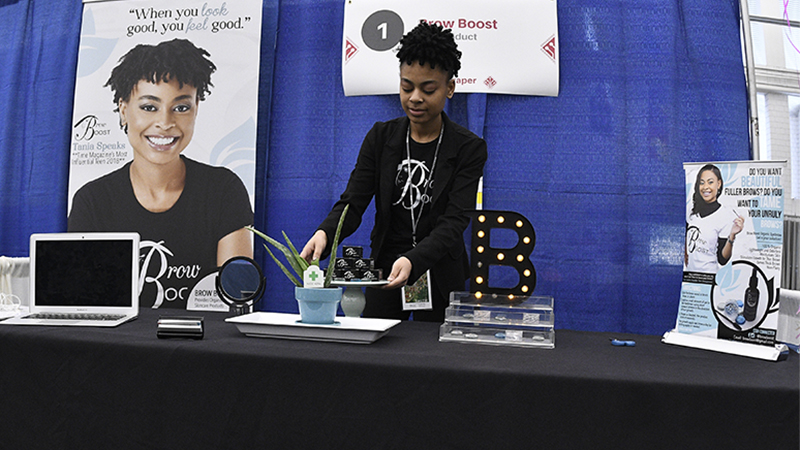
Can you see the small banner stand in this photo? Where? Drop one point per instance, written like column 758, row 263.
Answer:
column 732, row 259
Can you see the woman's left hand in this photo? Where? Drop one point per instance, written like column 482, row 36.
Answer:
column 401, row 269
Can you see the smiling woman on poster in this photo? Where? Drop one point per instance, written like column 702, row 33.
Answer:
column 711, row 228
column 191, row 215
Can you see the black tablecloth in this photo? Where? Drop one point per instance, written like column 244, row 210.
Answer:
column 93, row 388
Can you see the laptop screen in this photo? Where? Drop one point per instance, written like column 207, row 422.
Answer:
column 83, row 272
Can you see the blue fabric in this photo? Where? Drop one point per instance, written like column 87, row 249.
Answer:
column 645, row 86
column 38, row 50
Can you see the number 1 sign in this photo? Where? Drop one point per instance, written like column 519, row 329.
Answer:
column 489, row 34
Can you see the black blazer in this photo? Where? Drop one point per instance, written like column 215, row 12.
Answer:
column 441, row 249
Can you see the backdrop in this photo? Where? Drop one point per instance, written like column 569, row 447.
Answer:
column 645, row 86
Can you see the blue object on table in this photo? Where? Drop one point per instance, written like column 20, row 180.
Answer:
column 619, row 343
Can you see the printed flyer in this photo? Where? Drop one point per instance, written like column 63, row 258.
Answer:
column 164, row 137
column 733, row 251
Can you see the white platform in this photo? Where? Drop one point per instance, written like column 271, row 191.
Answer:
column 354, row 330
column 770, row 353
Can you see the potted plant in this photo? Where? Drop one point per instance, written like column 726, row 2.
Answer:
column 317, row 304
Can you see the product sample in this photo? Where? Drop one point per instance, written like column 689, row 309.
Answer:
column 751, row 295
column 354, row 267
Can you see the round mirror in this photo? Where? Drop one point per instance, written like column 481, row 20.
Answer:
column 240, row 283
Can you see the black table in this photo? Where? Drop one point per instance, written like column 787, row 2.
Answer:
column 74, row 388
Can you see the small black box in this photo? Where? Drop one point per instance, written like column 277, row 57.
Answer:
column 352, row 251
column 372, row 275
column 180, row 327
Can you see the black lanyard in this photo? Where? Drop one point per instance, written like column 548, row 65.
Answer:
column 415, row 220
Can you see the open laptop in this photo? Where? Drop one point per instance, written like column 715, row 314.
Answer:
column 82, row 279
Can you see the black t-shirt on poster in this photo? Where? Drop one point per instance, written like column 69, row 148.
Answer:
column 178, row 246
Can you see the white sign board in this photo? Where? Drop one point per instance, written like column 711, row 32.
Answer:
column 508, row 47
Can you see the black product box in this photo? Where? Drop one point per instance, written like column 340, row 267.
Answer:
column 352, row 251
column 358, row 275
column 363, row 263
column 372, row 275
column 346, row 274
column 360, row 264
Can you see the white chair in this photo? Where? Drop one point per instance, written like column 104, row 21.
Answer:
column 15, row 278
column 789, row 318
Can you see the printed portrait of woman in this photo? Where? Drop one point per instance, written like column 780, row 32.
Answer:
column 190, row 215
column 711, row 228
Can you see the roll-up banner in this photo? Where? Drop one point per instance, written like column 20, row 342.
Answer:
column 220, row 132
column 733, row 251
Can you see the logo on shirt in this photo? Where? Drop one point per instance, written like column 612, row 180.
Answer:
column 692, row 234
column 156, row 255
column 413, row 178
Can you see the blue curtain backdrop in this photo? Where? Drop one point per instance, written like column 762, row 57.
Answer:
column 645, row 86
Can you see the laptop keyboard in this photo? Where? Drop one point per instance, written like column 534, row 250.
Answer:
column 74, row 316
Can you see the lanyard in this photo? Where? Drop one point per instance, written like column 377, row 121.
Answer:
column 415, row 220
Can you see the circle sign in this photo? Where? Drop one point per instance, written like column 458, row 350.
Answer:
column 382, row 30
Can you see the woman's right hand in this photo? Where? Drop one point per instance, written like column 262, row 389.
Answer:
column 315, row 246
column 738, row 226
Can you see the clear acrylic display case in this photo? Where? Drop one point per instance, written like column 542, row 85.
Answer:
column 519, row 337
column 522, row 321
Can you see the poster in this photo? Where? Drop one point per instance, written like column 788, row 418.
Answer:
column 733, row 251
column 221, row 132
column 508, row 47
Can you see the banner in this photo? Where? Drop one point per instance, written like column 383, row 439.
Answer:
column 733, row 252
column 508, row 47
column 221, row 132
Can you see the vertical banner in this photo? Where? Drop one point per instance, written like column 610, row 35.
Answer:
column 733, row 251
column 212, row 132
column 508, row 46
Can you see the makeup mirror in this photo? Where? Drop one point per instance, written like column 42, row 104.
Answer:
column 240, row 283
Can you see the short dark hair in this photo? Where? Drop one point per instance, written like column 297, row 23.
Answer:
column 433, row 45
column 177, row 59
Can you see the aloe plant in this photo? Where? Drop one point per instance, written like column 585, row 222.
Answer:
column 297, row 264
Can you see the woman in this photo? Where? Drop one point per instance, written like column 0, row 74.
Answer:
column 711, row 228
column 423, row 171
column 190, row 216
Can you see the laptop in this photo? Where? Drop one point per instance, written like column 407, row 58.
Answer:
column 82, row 279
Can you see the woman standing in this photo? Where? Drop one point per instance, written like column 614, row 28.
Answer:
column 423, row 171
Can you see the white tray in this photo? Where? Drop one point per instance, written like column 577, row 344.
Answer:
column 359, row 283
column 355, row 330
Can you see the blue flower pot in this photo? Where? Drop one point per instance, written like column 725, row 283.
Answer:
column 318, row 305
